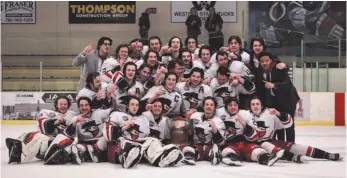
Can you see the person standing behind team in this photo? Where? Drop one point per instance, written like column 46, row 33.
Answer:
column 92, row 60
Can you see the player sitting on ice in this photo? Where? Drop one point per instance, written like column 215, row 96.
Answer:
column 239, row 135
column 97, row 91
column 124, row 132
column 86, row 128
column 156, row 148
column 35, row 144
column 208, row 132
column 267, row 121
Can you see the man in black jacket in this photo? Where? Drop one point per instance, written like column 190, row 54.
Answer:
column 144, row 25
column 193, row 24
column 213, row 25
column 276, row 90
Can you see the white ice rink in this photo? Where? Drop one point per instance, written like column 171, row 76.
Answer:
column 332, row 139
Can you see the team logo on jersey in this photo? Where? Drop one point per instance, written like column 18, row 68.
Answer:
column 196, row 121
column 51, row 114
column 192, row 98
column 134, row 132
column 91, row 127
column 155, row 133
column 125, row 118
column 231, row 128
column 223, row 93
column 200, row 133
column 60, row 127
column 166, row 104
column 260, row 125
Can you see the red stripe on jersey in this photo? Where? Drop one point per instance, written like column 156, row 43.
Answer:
column 108, row 75
column 40, row 125
column 115, row 76
column 29, row 137
column 309, row 151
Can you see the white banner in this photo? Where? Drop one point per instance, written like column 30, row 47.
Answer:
column 180, row 10
column 18, row 12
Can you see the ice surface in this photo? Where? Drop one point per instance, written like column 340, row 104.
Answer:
column 331, row 139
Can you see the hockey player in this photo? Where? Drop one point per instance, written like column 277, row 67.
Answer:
column 115, row 64
column 144, row 76
column 188, row 63
column 171, row 50
column 193, row 92
column 229, row 85
column 191, row 43
column 267, row 121
column 124, row 131
column 239, row 135
column 167, row 94
column 205, row 58
column 35, row 144
column 135, row 50
column 135, row 88
column 156, row 148
column 208, row 132
column 86, row 128
column 234, row 66
column 96, row 91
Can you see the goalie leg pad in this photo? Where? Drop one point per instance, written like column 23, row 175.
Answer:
column 59, row 151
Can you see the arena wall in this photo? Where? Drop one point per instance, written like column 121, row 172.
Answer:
column 53, row 35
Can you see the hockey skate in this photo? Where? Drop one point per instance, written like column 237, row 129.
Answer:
column 94, row 153
column 15, row 150
column 215, row 155
column 274, row 157
column 232, row 160
column 334, row 157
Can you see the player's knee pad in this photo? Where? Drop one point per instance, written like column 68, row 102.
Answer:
column 34, row 144
column 298, row 149
column 269, row 147
column 59, row 150
column 256, row 153
column 111, row 132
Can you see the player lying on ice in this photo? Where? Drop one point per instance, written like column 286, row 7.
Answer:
column 50, row 124
column 267, row 121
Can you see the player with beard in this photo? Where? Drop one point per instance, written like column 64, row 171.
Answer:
column 229, row 85
column 188, row 63
column 193, row 92
column 84, row 130
column 144, row 77
column 35, row 144
column 135, row 88
column 154, row 44
column 239, row 135
column 167, row 94
column 125, row 131
column 208, row 132
column 205, row 58
column 267, row 121
column 171, row 50
column 97, row 92
column 158, row 151
column 234, row 66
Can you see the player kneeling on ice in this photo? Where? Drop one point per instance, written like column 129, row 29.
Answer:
column 156, row 148
column 208, row 132
column 35, row 144
column 267, row 121
column 124, row 133
column 239, row 138
column 86, row 128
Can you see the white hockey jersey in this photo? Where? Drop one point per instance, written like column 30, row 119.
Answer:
column 222, row 92
column 245, row 57
column 234, row 66
column 139, row 130
column 172, row 101
column 46, row 118
column 192, row 96
column 266, row 124
column 206, row 65
column 120, row 96
column 160, row 128
column 235, row 131
column 203, row 133
column 92, row 95
column 90, row 129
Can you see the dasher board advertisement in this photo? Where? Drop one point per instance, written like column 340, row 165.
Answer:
column 180, row 10
column 18, row 12
column 98, row 12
